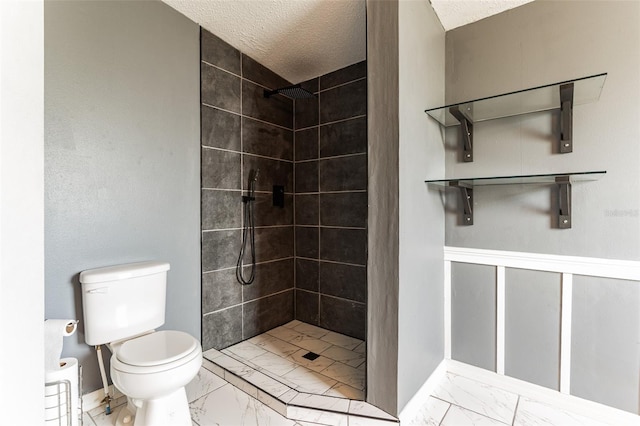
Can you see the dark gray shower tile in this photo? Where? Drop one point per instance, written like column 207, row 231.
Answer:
column 344, row 245
column 344, row 137
column 269, row 312
column 272, row 277
column 268, row 215
column 221, row 209
column 307, row 209
column 345, row 281
column 219, row 53
column 272, row 172
column 220, row 249
column 307, row 274
column 219, row 88
column 343, row 102
column 344, row 209
column 306, row 113
column 273, row 243
column 264, row 139
column 306, row 144
column 276, row 109
column 220, row 290
column 222, row 329
column 343, row 316
column 220, row 129
column 311, row 85
column 307, row 242
column 220, row 169
column 258, row 73
column 307, row 307
column 306, row 176
column 343, row 173
column 344, row 75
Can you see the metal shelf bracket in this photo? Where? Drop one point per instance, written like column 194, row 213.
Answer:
column 466, row 127
column 564, row 202
column 466, row 193
column 566, row 118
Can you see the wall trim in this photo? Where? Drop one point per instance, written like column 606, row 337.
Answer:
column 589, row 266
column 428, row 387
column 591, row 409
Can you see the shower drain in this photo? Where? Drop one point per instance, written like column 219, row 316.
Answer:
column 310, row 356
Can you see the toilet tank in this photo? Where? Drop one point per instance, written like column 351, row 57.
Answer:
column 122, row 301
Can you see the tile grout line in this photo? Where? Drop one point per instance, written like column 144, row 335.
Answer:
column 241, row 152
column 355, row 154
column 240, row 229
column 319, row 317
column 355, row 117
column 515, row 412
column 331, row 261
column 342, row 84
column 244, row 303
column 239, row 114
column 280, row 259
column 295, row 251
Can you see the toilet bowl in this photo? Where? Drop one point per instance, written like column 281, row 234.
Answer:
column 153, row 370
column 123, row 305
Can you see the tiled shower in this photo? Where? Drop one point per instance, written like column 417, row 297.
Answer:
column 311, row 254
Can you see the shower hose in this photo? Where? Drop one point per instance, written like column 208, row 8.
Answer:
column 248, row 233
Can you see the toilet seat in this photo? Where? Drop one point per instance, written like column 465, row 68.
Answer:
column 154, row 352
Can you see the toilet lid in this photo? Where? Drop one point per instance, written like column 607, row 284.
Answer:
column 157, row 348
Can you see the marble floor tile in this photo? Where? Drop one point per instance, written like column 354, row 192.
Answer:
column 311, row 330
column 292, row 324
column 457, row 416
column 345, row 356
column 431, row 413
column 309, row 381
column 87, row 420
column 317, row 416
column 245, row 350
column 345, row 391
column 202, row 384
column 211, row 354
column 274, row 345
column 309, row 343
column 535, row 413
column 274, row 363
column 345, row 374
column 268, row 384
column 341, row 340
column 317, row 364
column 321, row 402
column 230, row 406
column 478, row 397
column 365, row 409
column 102, row 419
column 284, row 333
column 361, row 348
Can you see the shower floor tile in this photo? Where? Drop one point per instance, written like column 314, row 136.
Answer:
column 279, row 352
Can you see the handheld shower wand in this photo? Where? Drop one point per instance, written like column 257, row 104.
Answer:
column 248, row 231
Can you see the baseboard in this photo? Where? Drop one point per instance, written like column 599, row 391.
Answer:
column 94, row 399
column 412, row 407
column 591, row 409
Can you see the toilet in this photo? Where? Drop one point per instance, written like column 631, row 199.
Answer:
column 123, row 305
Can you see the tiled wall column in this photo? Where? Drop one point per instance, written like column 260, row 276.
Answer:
column 331, row 202
column 242, row 130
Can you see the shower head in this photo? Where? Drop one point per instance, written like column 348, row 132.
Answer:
column 293, row 92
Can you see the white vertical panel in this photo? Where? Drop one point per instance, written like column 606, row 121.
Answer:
column 447, row 310
column 500, row 318
column 565, row 333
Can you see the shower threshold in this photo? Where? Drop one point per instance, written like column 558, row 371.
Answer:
column 277, row 368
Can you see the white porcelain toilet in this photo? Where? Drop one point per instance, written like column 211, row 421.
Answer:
column 123, row 305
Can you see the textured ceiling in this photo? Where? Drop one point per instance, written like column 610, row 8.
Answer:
column 456, row 13
column 298, row 39
column 301, row 39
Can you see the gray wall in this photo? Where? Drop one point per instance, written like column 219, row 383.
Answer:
column 242, row 130
column 331, row 201
column 406, row 226
column 538, row 43
column 421, row 151
column 383, row 223
column 121, row 154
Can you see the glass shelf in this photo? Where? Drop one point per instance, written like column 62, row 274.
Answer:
column 518, row 180
column 542, row 98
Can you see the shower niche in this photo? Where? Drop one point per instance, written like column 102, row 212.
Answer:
column 296, row 326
